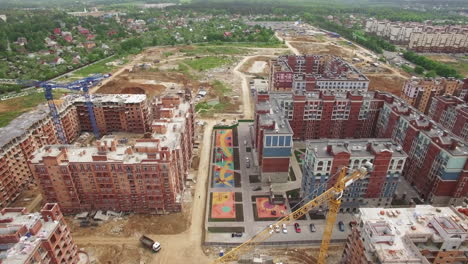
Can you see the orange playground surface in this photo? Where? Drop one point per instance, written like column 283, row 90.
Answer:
column 222, row 205
column 267, row 210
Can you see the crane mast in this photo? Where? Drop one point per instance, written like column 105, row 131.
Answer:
column 332, row 196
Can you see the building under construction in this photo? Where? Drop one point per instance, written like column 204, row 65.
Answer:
column 35, row 129
column 424, row 234
column 36, row 237
column 147, row 177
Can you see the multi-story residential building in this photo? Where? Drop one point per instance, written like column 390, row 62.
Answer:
column 324, row 159
column 424, row 234
column 317, row 114
column 422, row 37
column 36, row 237
column 315, row 72
column 452, row 113
column 273, row 140
column 147, row 177
column 115, row 113
column 437, row 159
column 22, row 137
column 420, row 92
column 35, row 129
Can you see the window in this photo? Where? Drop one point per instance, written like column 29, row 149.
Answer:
column 268, row 141
column 281, row 141
column 275, row 141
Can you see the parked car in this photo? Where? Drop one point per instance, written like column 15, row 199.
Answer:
column 297, row 227
column 312, row 228
column 237, row 234
column 341, row 226
column 271, row 230
column 277, row 229
column 285, row 230
column 352, row 223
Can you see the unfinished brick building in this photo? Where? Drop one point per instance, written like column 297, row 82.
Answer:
column 36, row 237
column 147, row 177
column 424, row 235
column 420, row 92
column 115, row 112
column 315, row 72
column 35, row 129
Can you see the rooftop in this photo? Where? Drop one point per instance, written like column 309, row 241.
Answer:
column 393, row 235
column 18, row 253
column 20, row 125
column 355, row 147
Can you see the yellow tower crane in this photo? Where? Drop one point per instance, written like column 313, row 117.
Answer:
column 332, row 196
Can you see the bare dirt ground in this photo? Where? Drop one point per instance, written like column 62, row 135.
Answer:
column 382, row 77
column 252, row 66
column 31, row 199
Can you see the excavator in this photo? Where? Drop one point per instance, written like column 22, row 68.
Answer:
column 332, row 196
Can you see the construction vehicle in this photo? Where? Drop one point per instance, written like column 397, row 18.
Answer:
column 82, row 85
column 332, row 196
column 150, row 243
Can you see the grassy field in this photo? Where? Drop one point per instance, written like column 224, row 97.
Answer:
column 99, row 67
column 206, row 63
column 247, row 44
column 210, row 50
column 458, row 63
column 12, row 108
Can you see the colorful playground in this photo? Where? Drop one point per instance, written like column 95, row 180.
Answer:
column 267, row 210
column 222, row 205
column 223, row 175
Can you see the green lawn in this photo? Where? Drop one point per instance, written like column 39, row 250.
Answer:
column 12, row 108
column 99, row 67
column 210, row 50
column 247, row 44
column 206, row 63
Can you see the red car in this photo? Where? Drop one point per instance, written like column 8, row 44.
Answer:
column 297, row 228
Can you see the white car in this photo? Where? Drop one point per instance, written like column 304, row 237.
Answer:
column 277, row 229
column 271, row 230
column 285, row 230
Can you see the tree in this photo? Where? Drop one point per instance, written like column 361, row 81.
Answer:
column 419, row 70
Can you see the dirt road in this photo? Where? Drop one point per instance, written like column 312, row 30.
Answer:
column 288, row 44
column 248, row 113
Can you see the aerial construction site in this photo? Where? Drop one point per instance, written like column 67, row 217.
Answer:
column 299, row 153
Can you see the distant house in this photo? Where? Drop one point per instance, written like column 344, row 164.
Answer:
column 67, row 36
column 111, row 32
column 21, row 41
column 83, row 31
column 227, row 34
column 104, row 46
column 89, row 44
column 80, row 45
column 57, row 31
column 90, row 37
column 76, row 59
column 58, row 61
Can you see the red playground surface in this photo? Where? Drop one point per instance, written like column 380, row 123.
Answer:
column 224, row 138
column 222, row 205
column 267, row 210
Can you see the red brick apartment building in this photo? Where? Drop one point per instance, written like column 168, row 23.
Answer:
column 116, row 112
column 437, row 162
column 315, row 72
column 452, row 113
column 424, row 234
column 36, row 237
column 318, row 114
column 35, row 129
column 147, row 177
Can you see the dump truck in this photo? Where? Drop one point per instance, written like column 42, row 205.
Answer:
column 150, row 243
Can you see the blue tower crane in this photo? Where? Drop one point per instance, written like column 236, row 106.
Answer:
column 82, row 85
